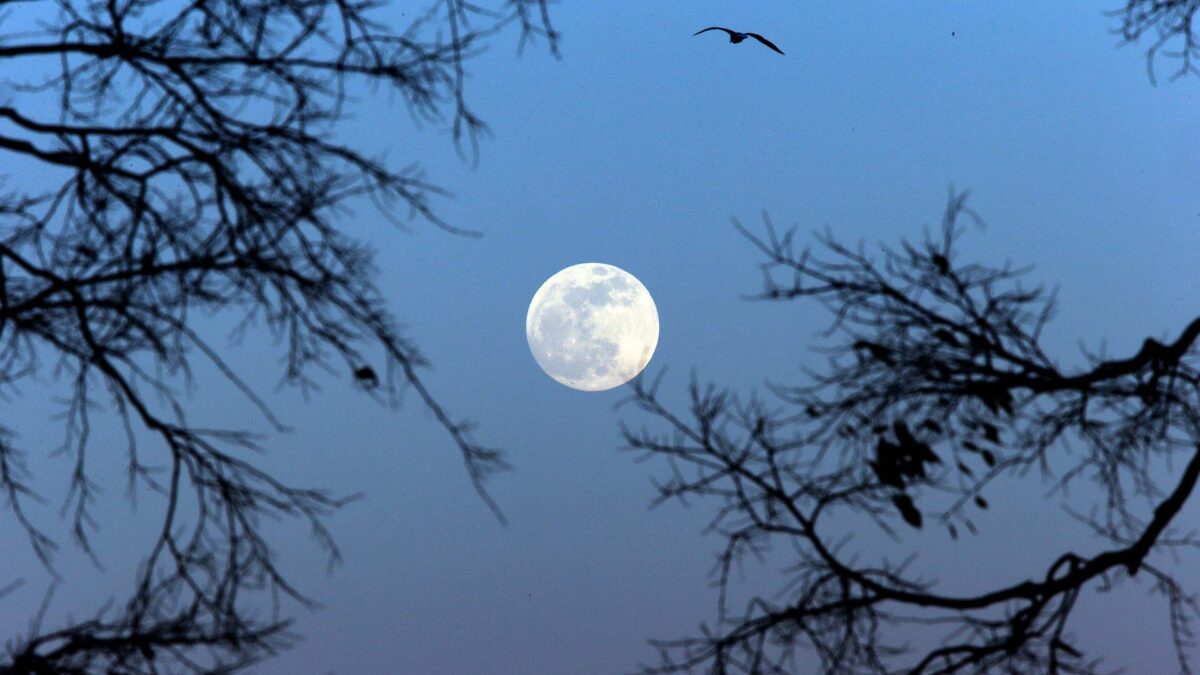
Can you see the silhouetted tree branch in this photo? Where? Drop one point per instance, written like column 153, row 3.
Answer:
column 937, row 386
column 1171, row 25
column 197, row 171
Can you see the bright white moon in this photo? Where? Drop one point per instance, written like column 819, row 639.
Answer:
column 592, row 326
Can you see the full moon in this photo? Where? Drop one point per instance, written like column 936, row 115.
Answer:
column 592, row 326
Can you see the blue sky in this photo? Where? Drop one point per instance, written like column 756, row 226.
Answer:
column 635, row 150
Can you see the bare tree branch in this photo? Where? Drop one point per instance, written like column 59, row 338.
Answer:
column 197, row 172
column 1171, row 25
column 936, row 387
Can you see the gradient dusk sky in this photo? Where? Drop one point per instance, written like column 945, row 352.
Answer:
column 636, row 149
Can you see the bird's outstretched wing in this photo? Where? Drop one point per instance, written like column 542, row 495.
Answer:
column 712, row 28
column 765, row 41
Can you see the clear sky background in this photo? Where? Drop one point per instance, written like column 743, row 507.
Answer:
column 635, row 149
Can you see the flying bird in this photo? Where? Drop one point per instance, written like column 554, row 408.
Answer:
column 736, row 37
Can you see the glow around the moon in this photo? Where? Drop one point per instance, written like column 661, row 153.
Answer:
column 592, row 326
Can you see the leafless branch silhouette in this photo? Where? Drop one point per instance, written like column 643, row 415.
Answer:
column 936, row 387
column 197, row 172
column 1171, row 27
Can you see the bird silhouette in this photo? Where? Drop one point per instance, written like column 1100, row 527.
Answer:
column 736, row 37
